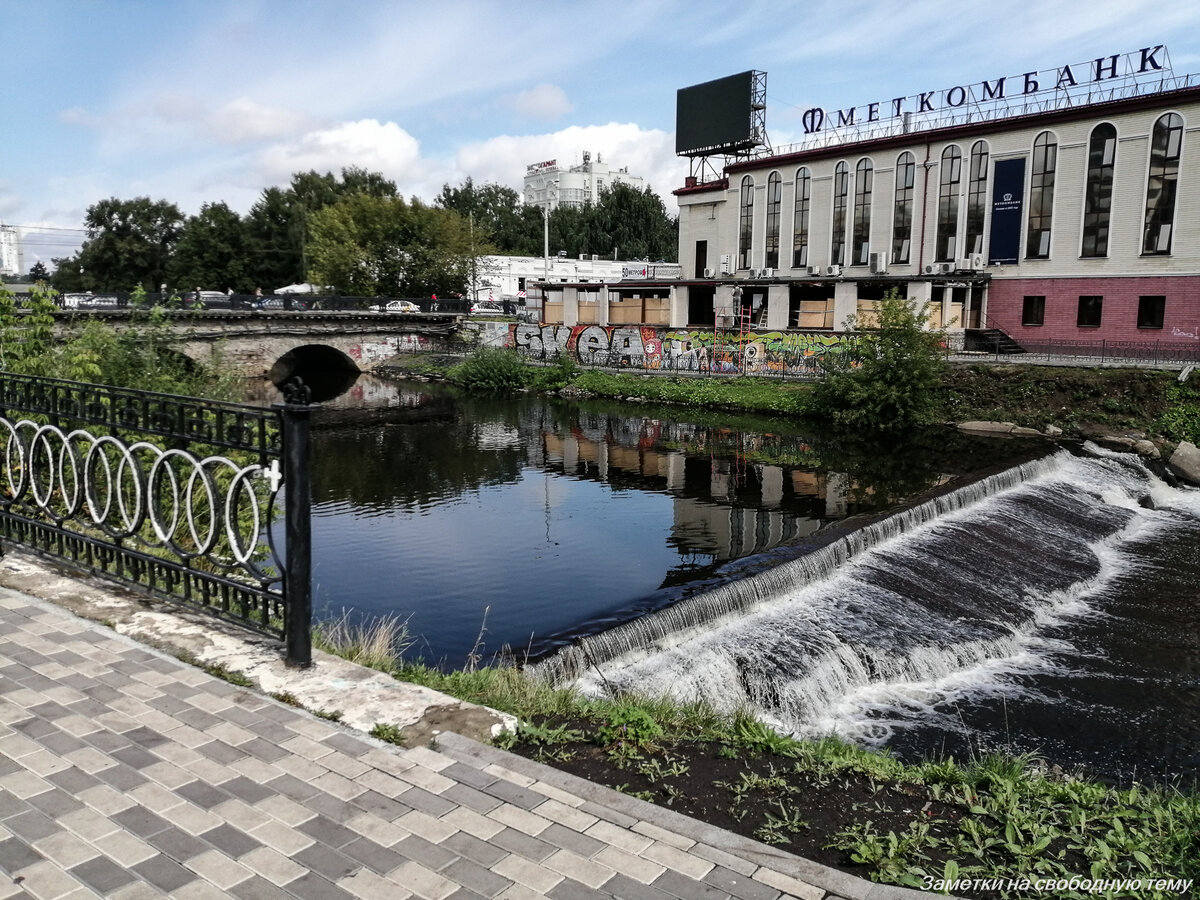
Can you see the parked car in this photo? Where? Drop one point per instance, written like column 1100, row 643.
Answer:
column 88, row 300
column 487, row 308
column 207, row 300
column 397, row 306
column 290, row 303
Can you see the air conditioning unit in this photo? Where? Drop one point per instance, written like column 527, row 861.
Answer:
column 878, row 263
column 964, row 265
column 725, row 270
column 833, row 270
column 708, row 273
column 977, row 262
column 939, row 269
column 814, row 270
column 756, row 273
column 767, row 273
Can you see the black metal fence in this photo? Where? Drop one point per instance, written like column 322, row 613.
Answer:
column 215, row 300
column 1101, row 352
column 171, row 495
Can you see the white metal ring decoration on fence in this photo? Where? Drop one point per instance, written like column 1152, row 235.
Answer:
column 212, row 508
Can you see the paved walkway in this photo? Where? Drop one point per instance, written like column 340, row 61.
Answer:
column 125, row 773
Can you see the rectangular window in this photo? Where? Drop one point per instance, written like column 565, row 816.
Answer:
column 1033, row 312
column 1089, row 312
column 1150, row 312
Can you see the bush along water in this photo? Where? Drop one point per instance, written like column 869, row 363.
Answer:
column 889, row 382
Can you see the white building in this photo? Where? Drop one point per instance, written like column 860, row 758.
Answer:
column 549, row 185
column 10, row 251
column 500, row 278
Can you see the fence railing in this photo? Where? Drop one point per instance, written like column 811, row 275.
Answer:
column 215, row 300
column 1104, row 352
column 171, row 495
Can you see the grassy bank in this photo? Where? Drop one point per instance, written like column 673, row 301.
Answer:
column 1080, row 401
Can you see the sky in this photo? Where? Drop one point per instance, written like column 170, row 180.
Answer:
column 205, row 101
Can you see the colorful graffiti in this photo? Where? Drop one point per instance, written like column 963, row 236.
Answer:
column 687, row 350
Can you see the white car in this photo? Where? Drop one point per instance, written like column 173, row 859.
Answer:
column 397, row 306
column 487, row 308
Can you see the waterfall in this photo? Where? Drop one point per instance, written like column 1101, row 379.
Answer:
column 958, row 589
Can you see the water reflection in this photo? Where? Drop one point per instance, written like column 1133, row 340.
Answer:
column 533, row 520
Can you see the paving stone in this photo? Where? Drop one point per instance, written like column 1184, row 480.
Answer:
column 232, row 841
column 127, row 775
column 475, row 877
column 102, row 875
column 741, row 886
column 327, row 862
column 164, row 873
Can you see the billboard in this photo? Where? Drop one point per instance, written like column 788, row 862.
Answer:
column 716, row 117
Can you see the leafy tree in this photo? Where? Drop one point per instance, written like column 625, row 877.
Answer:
column 211, row 252
column 888, row 383
column 383, row 246
column 277, row 226
column 498, row 216
column 39, row 272
column 129, row 242
column 633, row 223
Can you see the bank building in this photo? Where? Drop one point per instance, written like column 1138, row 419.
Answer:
column 1056, row 207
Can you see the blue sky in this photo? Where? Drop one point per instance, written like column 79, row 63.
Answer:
column 197, row 101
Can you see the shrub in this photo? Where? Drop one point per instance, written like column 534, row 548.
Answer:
column 889, row 382
column 492, row 369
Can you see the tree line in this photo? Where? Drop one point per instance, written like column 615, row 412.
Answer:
column 352, row 232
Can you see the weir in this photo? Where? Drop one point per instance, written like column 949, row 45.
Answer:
column 960, row 590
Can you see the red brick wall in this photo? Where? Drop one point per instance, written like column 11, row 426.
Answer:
column 1181, row 320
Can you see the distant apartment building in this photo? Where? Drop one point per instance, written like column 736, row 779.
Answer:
column 10, row 251
column 549, row 185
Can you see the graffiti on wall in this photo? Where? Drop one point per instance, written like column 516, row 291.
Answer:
column 679, row 350
column 369, row 352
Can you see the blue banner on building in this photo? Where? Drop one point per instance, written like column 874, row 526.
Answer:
column 1008, row 195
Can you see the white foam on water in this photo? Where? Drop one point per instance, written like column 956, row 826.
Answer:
column 897, row 624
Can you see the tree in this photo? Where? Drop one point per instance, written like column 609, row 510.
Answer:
column 211, row 252
column 633, row 223
column 39, row 272
column 888, row 382
column 277, row 226
column 129, row 243
column 383, row 246
column 498, row 216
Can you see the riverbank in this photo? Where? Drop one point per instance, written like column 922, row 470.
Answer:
column 1088, row 403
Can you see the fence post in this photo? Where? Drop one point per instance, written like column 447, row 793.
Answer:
column 297, row 578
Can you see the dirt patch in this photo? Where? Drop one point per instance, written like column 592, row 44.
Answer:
column 1075, row 400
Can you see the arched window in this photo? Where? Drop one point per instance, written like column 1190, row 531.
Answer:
column 864, row 175
column 949, row 184
column 902, row 212
column 800, row 218
column 841, row 192
column 976, row 198
column 746, row 223
column 1041, row 196
column 774, row 202
column 1097, row 196
column 1165, row 146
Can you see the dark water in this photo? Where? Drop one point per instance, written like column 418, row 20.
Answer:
column 1051, row 610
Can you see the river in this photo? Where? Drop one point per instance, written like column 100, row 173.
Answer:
column 1050, row 609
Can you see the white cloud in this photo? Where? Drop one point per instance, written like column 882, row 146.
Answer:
column 245, row 121
column 544, row 101
column 368, row 143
